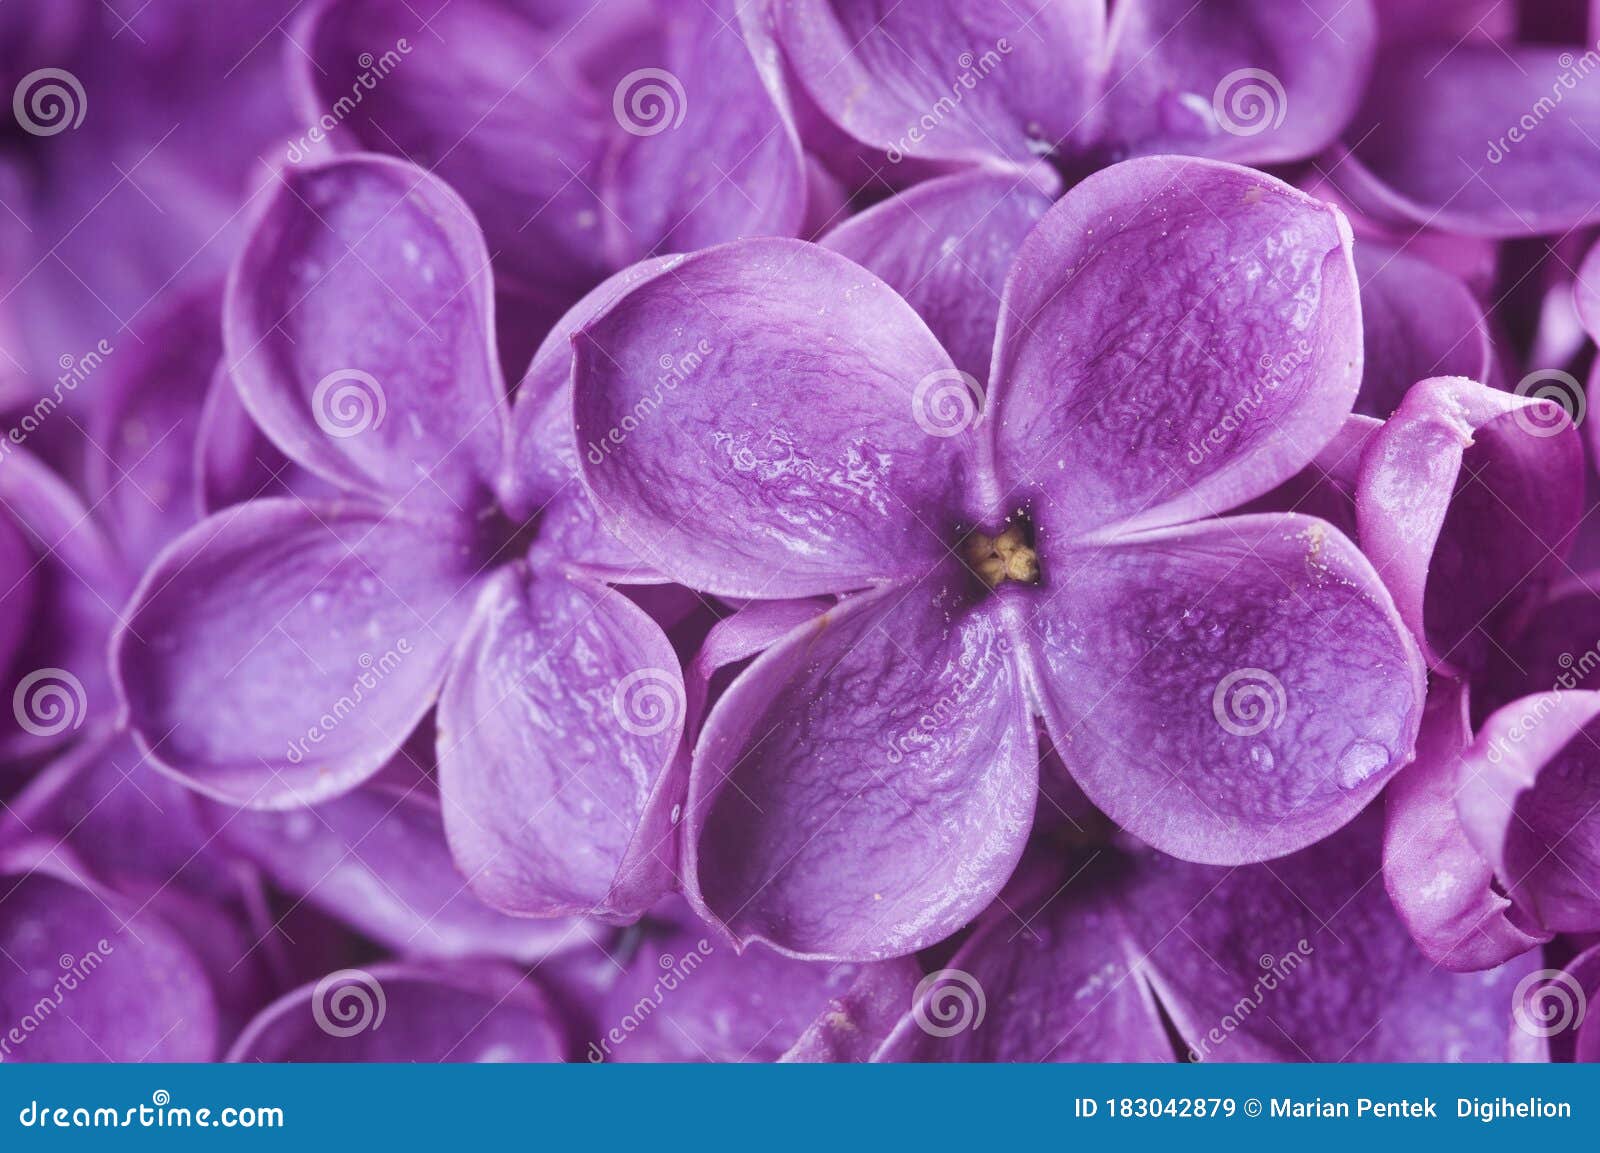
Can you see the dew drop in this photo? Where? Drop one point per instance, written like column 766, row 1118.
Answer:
column 1359, row 761
column 1261, row 758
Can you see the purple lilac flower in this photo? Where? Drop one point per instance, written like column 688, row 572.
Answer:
column 278, row 654
column 1016, row 566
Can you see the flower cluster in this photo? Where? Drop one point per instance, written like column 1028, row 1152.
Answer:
column 813, row 530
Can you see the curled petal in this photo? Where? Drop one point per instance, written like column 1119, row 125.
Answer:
column 559, row 750
column 359, row 328
column 1457, row 465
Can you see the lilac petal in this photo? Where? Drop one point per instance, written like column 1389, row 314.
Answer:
column 865, row 787
column 126, row 822
column 957, row 82
column 542, row 475
column 559, row 733
column 18, row 591
column 1305, row 960
column 1227, row 692
column 278, row 653
column 483, row 96
column 141, row 478
column 1480, row 139
column 1326, row 488
column 1252, row 81
column 403, row 1012
column 1057, row 980
column 57, row 678
column 705, row 154
column 85, row 984
column 234, row 460
column 377, row 859
column 737, row 638
column 1530, row 788
column 856, row 1022
column 1440, row 885
column 1586, row 292
column 543, row 462
column 761, row 420
column 683, row 994
column 1418, row 322
column 1177, row 337
column 1457, row 465
column 359, row 328
column 946, row 246
column 1546, row 649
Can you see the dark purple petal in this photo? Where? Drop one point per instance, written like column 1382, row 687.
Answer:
column 957, row 81
column 946, row 246
column 398, row 1012
column 359, row 330
column 483, row 96
column 739, row 637
column 856, row 1022
column 1530, row 787
column 1177, row 337
column 559, row 759
column 1229, row 691
column 376, row 858
column 57, row 680
column 1253, row 81
column 865, row 787
column 1305, row 960
column 1440, row 884
column 675, row 991
column 1057, row 980
column 278, row 653
column 1480, row 139
column 1417, row 322
column 89, row 978
column 1460, row 464
column 141, row 472
column 767, row 419
column 704, row 154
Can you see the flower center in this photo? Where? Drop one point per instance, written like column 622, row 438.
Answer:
column 1007, row 556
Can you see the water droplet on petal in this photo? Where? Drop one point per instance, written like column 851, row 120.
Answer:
column 1261, row 758
column 1359, row 761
